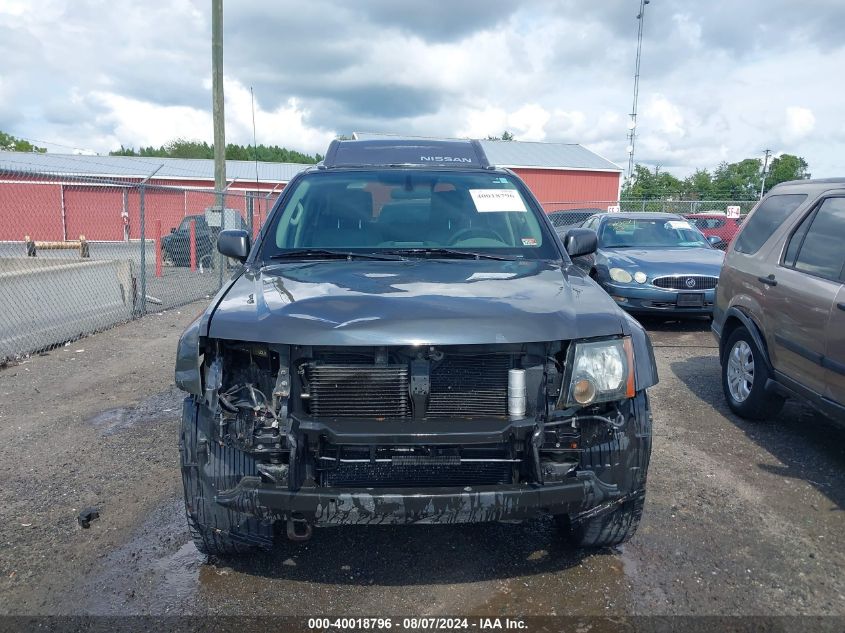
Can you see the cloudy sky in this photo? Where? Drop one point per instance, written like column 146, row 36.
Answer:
column 721, row 80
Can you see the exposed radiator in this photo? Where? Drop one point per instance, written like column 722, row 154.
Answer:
column 470, row 386
column 460, row 386
column 359, row 391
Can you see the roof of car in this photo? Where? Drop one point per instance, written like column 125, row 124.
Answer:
column 817, row 184
column 406, row 152
column 585, row 211
column 639, row 215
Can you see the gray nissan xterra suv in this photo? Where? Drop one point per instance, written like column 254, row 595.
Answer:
column 407, row 341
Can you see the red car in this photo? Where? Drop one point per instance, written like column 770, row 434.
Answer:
column 717, row 224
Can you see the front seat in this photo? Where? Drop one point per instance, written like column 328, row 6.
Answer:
column 450, row 213
column 346, row 220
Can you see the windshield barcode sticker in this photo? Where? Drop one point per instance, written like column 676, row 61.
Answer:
column 678, row 224
column 497, row 200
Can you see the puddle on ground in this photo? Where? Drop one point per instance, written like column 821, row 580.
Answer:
column 161, row 406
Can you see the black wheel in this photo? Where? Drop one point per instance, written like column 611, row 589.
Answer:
column 622, row 459
column 744, row 376
column 208, row 467
column 608, row 529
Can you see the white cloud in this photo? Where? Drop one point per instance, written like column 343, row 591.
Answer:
column 664, row 115
column 485, row 122
column 85, row 73
column 799, row 123
column 288, row 122
column 145, row 123
column 528, row 122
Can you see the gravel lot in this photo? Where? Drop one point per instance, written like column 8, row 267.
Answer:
column 741, row 518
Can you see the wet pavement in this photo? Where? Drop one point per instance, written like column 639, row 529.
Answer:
column 741, row 518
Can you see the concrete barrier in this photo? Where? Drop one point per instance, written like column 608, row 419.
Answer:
column 48, row 302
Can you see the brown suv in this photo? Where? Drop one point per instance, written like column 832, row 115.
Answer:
column 780, row 302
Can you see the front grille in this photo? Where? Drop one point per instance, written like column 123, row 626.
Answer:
column 401, row 475
column 359, row 391
column 687, row 282
column 470, row 386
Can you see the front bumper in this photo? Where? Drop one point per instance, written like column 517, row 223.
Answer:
column 647, row 299
column 338, row 506
column 572, row 491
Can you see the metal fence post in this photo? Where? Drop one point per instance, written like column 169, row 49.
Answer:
column 141, row 205
column 221, row 259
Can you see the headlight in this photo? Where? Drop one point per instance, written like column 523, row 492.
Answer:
column 622, row 276
column 640, row 277
column 600, row 371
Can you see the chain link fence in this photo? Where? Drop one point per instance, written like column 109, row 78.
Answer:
column 720, row 218
column 79, row 255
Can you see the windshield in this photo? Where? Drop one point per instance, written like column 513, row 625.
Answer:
column 650, row 233
column 408, row 211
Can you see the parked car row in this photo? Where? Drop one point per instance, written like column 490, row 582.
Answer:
column 716, row 224
column 777, row 298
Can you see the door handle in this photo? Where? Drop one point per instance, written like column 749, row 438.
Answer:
column 841, row 306
column 769, row 281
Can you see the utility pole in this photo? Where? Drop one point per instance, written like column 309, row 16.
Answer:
column 632, row 125
column 763, row 175
column 218, row 115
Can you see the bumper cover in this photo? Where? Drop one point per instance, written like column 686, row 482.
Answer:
column 649, row 299
column 337, row 506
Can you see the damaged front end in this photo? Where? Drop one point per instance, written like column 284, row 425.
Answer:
column 407, row 434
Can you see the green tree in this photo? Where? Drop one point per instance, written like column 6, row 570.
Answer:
column 506, row 136
column 786, row 167
column 9, row 143
column 737, row 181
column 184, row 148
column 698, row 185
column 651, row 184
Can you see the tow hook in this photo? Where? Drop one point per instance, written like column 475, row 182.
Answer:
column 293, row 535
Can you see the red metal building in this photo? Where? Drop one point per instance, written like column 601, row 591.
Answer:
column 60, row 197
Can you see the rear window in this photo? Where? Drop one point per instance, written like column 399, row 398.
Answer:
column 821, row 253
column 771, row 213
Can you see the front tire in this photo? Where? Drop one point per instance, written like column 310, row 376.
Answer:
column 744, row 377
column 621, row 459
column 608, row 529
column 207, row 468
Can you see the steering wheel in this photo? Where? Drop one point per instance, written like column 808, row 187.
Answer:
column 482, row 232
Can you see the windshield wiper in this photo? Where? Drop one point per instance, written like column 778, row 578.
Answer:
column 447, row 252
column 325, row 253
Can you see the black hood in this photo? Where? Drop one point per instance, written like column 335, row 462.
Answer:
column 442, row 302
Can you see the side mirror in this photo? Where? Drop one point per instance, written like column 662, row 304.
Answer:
column 234, row 244
column 580, row 242
column 714, row 240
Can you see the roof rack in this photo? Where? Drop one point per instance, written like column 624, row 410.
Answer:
column 411, row 152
